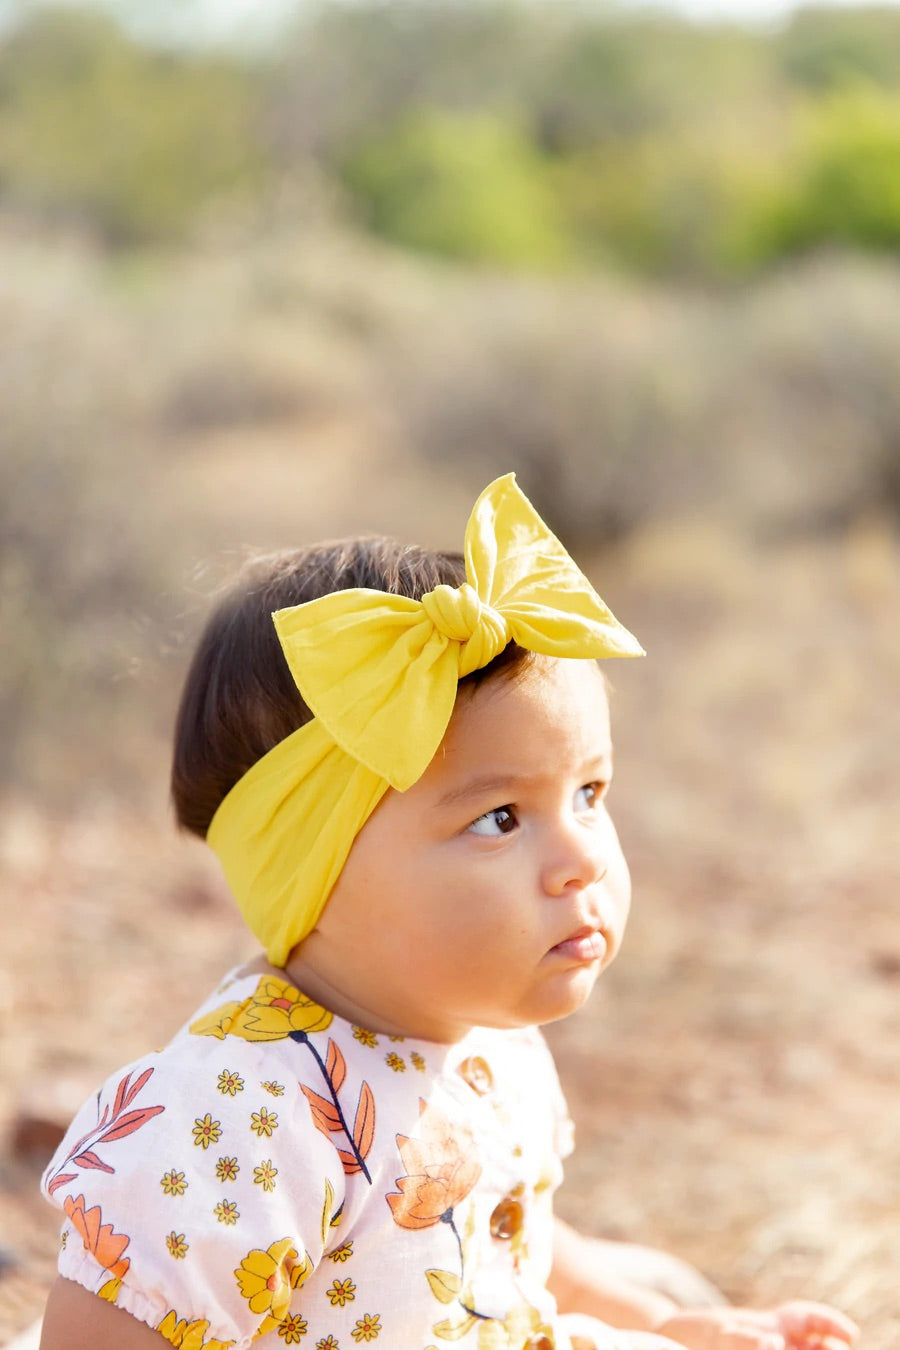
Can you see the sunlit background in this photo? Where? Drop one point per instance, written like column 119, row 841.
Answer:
column 277, row 271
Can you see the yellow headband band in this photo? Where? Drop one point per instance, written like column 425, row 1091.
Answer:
column 379, row 673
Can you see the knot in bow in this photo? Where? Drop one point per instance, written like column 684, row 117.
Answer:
column 380, row 671
column 461, row 615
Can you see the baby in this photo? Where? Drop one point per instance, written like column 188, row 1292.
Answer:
column 402, row 760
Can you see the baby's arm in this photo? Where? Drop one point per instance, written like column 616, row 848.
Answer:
column 76, row 1319
column 582, row 1281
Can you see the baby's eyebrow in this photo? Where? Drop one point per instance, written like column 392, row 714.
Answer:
column 510, row 784
column 505, row 783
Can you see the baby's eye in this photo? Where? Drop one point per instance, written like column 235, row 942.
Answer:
column 589, row 796
column 502, row 820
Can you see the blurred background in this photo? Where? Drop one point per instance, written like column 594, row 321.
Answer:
column 276, row 273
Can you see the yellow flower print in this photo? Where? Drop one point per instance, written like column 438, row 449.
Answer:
column 263, row 1122
column 110, row 1290
column 173, row 1183
column 327, row 1343
column 367, row 1328
column 206, row 1131
column 265, row 1278
column 395, row 1062
column 398, row 1038
column 186, row 1335
column 292, row 1328
column 277, row 1009
column 230, row 1083
column 417, row 1061
column 365, row 1037
column 64, row 1239
column 177, row 1245
column 271, row 1013
column 341, row 1292
column 227, row 1169
column 265, row 1175
column 276, row 1089
column 342, row 1253
column 226, row 1211
column 217, row 1023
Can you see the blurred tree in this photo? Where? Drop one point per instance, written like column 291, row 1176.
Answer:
column 346, row 71
column 131, row 142
column 822, row 48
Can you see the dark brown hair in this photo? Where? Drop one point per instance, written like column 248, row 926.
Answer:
column 239, row 699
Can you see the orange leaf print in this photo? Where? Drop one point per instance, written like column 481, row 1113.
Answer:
column 99, row 1238
column 127, row 1090
column 325, row 1113
column 336, row 1066
column 89, row 1159
column 131, row 1121
column 364, row 1124
column 442, row 1167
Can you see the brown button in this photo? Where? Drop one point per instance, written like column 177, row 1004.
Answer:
column 538, row 1343
column 477, row 1073
column 506, row 1219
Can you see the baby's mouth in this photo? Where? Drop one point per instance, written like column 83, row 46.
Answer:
column 585, row 945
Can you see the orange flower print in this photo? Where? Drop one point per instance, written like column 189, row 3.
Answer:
column 177, row 1245
column 395, row 1062
column 365, row 1037
column 417, row 1061
column 341, row 1292
column 367, row 1328
column 206, row 1131
column 275, row 1089
column 342, row 1253
column 230, row 1084
column 226, row 1211
column 442, row 1168
column 292, row 1328
column 227, row 1169
column 173, row 1183
column 265, row 1175
column 105, row 1245
column 263, row 1122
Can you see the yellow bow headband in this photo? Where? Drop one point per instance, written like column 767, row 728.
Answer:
column 380, row 673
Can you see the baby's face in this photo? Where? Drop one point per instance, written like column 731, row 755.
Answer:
column 494, row 891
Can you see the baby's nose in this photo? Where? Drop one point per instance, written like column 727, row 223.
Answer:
column 578, row 860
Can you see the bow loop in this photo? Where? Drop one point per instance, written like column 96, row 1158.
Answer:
column 462, row 616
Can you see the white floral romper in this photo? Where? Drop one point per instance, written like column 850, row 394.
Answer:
column 278, row 1175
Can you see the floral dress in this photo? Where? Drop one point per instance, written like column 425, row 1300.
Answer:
column 278, row 1175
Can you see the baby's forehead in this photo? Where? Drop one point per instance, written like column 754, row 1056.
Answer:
column 553, row 711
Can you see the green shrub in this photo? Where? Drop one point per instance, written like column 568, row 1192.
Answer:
column 468, row 186
column 843, row 184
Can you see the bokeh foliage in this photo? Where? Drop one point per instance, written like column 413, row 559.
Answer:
column 524, row 136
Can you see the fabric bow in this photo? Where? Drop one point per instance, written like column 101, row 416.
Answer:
column 380, row 672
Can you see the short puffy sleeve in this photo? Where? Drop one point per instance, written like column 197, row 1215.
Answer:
column 198, row 1193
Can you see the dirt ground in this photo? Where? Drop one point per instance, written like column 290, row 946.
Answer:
column 734, row 1079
